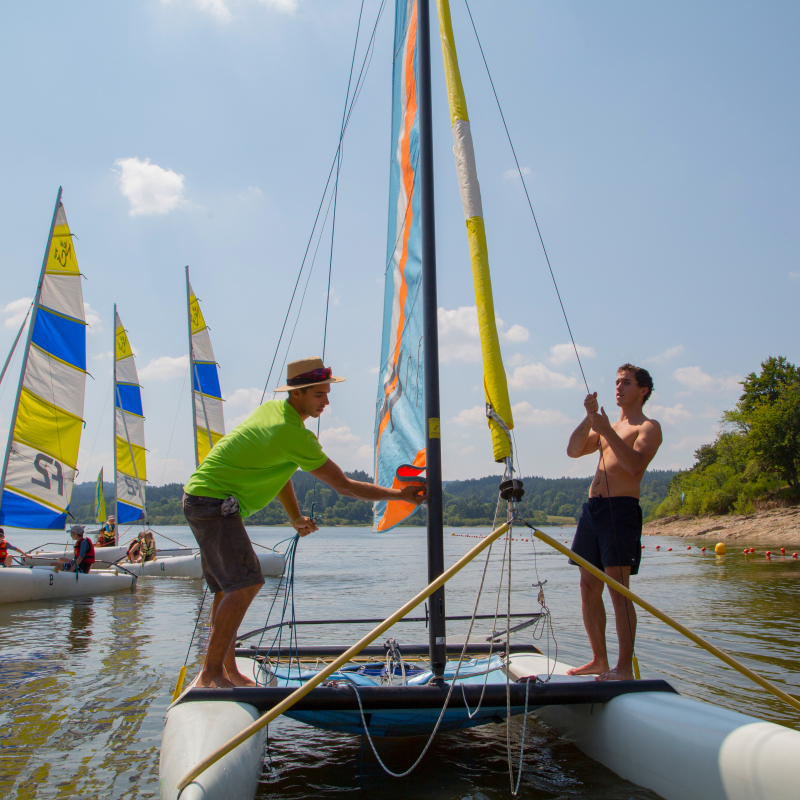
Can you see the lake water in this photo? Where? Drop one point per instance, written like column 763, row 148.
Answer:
column 86, row 682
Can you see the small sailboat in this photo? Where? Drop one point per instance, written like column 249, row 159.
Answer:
column 212, row 748
column 41, row 456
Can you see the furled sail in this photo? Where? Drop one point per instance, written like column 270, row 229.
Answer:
column 129, row 453
column 42, row 452
column 207, row 414
column 99, row 499
column 399, row 431
column 494, row 374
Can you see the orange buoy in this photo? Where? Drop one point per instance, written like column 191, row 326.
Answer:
column 689, row 547
column 768, row 553
column 703, row 549
column 783, row 549
column 658, row 547
column 669, row 548
column 746, row 551
column 794, row 555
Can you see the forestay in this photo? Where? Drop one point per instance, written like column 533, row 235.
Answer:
column 399, row 431
column 129, row 453
column 208, row 418
column 42, row 453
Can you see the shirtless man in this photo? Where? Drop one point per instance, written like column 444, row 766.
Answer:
column 609, row 530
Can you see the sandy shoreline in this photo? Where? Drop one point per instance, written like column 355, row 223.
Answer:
column 775, row 526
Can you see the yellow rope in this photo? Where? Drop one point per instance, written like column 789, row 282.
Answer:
column 343, row 659
column 723, row 656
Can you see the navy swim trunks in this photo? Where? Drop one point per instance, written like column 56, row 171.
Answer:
column 609, row 533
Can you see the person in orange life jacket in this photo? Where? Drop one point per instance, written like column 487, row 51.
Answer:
column 83, row 553
column 106, row 536
column 5, row 546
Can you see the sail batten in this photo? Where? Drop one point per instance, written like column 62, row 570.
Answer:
column 208, row 417
column 495, row 382
column 130, row 462
column 42, row 452
column 399, row 426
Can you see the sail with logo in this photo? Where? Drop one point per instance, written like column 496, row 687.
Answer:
column 130, row 467
column 207, row 414
column 399, row 424
column 41, row 456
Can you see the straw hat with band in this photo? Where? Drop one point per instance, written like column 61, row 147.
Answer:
column 307, row 372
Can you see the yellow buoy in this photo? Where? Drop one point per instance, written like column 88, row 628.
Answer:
column 720, row 549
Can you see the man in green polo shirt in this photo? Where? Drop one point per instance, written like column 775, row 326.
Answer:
column 245, row 471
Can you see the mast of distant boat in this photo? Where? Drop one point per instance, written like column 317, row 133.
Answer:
column 114, row 432
column 433, row 448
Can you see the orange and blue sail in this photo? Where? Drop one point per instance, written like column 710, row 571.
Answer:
column 399, row 425
column 42, row 452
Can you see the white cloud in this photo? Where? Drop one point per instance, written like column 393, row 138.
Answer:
column 251, row 193
column 16, row 311
column 694, row 379
column 672, row 415
column 164, row 368
column 561, row 353
column 338, row 436
column 524, row 414
column 92, row 319
column 102, row 356
column 795, row 275
column 221, row 11
column 511, row 174
column 539, row 376
column 149, row 188
column 250, row 398
column 459, row 336
column 691, row 442
column 667, row 355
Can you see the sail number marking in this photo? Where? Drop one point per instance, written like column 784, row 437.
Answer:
column 58, row 475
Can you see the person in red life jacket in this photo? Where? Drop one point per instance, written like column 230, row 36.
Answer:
column 83, row 553
column 5, row 557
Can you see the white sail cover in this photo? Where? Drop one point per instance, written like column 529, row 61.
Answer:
column 209, row 420
column 48, row 417
column 129, row 458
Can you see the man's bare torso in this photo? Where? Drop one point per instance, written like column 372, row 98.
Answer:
column 620, row 482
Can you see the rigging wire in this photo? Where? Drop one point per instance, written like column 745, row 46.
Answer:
column 367, row 61
column 560, row 301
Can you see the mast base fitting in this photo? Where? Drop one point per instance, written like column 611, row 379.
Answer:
column 511, row 490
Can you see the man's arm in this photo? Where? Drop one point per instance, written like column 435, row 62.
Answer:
column 332, row 474
column 633, row 460
column 584, row 440
column 288, row 499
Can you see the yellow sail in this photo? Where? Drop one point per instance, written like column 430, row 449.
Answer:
column 494, row 375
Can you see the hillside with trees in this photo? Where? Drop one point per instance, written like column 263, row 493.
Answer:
column 466, row 503
column 755, row 460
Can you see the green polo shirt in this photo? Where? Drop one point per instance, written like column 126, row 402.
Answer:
column 256, row 459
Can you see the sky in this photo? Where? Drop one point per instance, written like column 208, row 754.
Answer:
column 658, row 142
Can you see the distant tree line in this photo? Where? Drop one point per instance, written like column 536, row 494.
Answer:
column 755, row 459
column 466, row 503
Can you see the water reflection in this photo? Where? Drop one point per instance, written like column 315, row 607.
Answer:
column 81, row 616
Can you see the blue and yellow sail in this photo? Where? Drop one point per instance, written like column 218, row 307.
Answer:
column 399, row 433
column 99, row 499
column 207, row 413
column 130, row 463
column 42, row 452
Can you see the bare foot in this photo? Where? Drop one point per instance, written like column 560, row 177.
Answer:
column 594, row 667
column 616, row 674
column 237, row 679
column 217, row 681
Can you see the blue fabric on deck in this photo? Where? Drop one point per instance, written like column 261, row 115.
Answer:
column 22, row 512
column 209, row 379
column 64, row 338
column 131, row 397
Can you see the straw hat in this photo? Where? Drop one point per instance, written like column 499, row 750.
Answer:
column 306, row 372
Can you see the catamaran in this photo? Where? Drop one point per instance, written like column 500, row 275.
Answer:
column 213, row 739
column 41, row 455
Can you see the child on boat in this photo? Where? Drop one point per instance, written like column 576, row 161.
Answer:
column 83, row 553
column 5, row 546
column 107, row 535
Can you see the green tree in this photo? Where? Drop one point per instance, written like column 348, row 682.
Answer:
column 774, row 434
column 776, row 375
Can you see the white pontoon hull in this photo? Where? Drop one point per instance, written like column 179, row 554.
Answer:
column 190, row 567
column 19, row 584
column 680, row 748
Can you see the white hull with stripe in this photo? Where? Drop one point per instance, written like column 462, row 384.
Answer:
column 190, row 567
column 20, row 584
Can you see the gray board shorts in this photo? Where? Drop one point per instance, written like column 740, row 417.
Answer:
column 609, row 533
column 226, row 554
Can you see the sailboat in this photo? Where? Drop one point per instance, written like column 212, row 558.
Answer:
column 213, row 739
column 41, row 456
